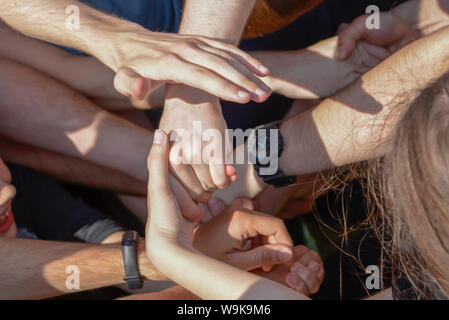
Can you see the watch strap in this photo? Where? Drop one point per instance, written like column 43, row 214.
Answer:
column 129, row 252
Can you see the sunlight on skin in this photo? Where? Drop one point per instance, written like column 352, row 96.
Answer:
column 248, row 184
column 85, row 139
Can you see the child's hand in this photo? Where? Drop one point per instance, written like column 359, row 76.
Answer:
column 230, row 236
column 305, row 274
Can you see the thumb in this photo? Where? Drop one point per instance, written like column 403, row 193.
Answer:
column 266, row 255
column 349, row 36
column 158, row 181
column 129, row 83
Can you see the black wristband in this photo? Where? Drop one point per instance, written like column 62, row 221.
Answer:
column 264, row 144
column 129, row 251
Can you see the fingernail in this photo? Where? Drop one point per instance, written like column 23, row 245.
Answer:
column 243, row 95
column 315, row 267
column 342, row 51
column 230, row 170
column 292, row 279
column 285, row 255
column 264, row 69
column 158, row 137
column 260, row 93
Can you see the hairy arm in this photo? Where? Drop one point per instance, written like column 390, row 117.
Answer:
column 206, row 17
column 355, row 124
column 35, row 269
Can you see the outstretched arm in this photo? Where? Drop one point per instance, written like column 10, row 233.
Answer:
column 35, row 269
column 355, row 124
column 118, row 43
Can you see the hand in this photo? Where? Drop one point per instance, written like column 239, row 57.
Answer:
column 207, row 64
column 393, row 34
column 243, row 238
column 165, row 221
column 318, row 73
column 305, row 274
column 190, row 114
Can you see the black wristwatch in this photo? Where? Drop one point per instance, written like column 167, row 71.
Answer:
column 132, row 277
column 263, row 142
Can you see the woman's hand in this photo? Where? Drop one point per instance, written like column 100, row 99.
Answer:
column 165, row 221
column 244, row 238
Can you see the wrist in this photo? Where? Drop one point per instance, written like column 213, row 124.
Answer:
column 108, row 45
column 189, row 95
column 146, row 267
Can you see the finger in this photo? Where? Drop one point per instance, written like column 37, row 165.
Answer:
column 379, row 54
column 129, row 83
column 217, row 206
column 318, row 269
column 348, row 38
column 304, row 255
column 218, row 175
column 158, row 164
column 271, row 227
column 246, row 59
column 189, row 209
column 202, row 173
column 307, row 276
column 207, row 213
column 182, row 71
column 342, row 27
column 185, row 174
column 232, row 69
column 259, row 257
column 297, row 283
column 231, row 173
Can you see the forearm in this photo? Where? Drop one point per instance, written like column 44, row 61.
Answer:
column 35, row 269
column 423, row 16
column 70, row 169
column 214, row 280
column 54, row 117
column 97, row 29
column 355, row 124
column 313, row 72
column 206, row 17
column 84, row 74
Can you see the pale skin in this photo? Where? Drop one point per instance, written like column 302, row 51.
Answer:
column 352, row 125
column 43, row 273
column 183, row 105
column 122, row 44
column 169, row 246
column 213, row 66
